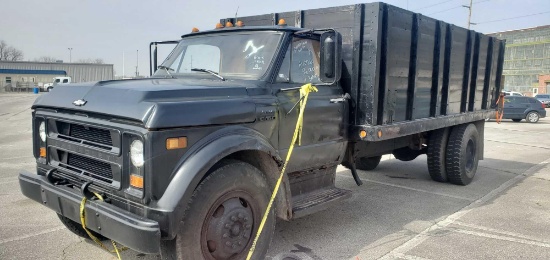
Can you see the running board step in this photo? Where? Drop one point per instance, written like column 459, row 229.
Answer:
column 312, row 202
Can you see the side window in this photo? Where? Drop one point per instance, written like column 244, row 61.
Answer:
column 65, row 80
column 284, row 71
column 532, row 101
column 509, row 99
column 304, row 61
column 57, row 80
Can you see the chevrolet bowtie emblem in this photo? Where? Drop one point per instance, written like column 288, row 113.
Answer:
column 79, row 102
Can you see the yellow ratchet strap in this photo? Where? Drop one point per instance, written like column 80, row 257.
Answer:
column 94, row 238
column 304, row 93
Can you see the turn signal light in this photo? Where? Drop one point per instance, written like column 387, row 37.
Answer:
column 176, row 143
column 363, row 134
column 42, row 151
column 136, row 181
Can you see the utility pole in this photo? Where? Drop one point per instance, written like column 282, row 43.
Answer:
column 469, row 14
column 137, row 62
column 70, row 55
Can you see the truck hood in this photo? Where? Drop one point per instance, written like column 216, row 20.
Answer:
column 158, row 103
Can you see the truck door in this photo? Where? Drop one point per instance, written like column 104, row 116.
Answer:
column 324, row 128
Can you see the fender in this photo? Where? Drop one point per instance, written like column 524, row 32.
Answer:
column 194, row 165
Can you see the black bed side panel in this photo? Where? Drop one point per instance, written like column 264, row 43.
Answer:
column 401, row 66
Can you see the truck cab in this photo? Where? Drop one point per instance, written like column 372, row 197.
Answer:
column 56, row 81
column 221, row 107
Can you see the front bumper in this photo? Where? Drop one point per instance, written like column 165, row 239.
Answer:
column 136, row 232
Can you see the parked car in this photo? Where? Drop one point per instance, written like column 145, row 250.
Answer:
column 512, row 93
column 544, row 98
column 519, row 108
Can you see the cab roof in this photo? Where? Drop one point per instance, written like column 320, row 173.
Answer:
column 283, row 28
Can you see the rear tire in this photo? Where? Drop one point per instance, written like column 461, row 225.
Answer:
column 532, row 117
column 462, row 156
column 223, row 216
column 367, row 163
column 77, row 228
column 516, row 120
column 406, row 154
column 437, row 150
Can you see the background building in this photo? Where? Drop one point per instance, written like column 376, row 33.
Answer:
column 527, row 60
column 19, row 73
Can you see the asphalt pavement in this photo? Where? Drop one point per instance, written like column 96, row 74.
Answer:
column 398, row 213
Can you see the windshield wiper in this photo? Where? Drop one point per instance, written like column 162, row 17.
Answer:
column 167, row 69
column 209, row 71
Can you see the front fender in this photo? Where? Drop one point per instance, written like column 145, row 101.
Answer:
column 195, row 164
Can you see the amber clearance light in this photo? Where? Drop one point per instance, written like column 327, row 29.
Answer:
column 176, row 143
column 42, row 151
column 136, row 181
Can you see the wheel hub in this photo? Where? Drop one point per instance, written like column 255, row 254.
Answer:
column 229, row 229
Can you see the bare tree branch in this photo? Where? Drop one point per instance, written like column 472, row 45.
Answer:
column 46, row 59
column 9, row 53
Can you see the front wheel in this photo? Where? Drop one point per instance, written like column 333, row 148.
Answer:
column 224, row 215
column 532, row 117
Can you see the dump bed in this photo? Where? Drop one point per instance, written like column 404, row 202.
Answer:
column 406, row 73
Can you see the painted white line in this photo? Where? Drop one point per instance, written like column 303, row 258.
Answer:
column 501, row 232
column 499, row 237
column 31, row 235
column 526, row 145
column 409, row 188
column 425, row 234
column 410, row 257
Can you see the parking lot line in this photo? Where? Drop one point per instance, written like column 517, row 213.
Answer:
column 526, row 145
column 32, row 235
column 425, row 234
column 499, row 237
column 409, row 188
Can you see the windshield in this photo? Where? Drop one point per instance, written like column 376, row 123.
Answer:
column 245, row 55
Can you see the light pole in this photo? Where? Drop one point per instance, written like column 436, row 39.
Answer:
column 70, row 55
column 469, row 14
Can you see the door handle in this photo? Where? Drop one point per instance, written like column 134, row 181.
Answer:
column 340, row 99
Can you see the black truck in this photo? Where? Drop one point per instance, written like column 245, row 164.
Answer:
column 185, row 161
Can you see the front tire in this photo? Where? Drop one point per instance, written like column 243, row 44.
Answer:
column 77, row 228
column 532, row 117
column 224, row 214
column 368, row 163
column 462, row 156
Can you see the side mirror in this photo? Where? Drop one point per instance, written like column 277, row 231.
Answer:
column 331, row 59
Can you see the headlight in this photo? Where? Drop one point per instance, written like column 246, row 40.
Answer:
column 42, row 131
column 136, row 153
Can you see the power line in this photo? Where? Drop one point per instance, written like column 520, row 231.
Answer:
column 428, row 6
column 511, row 18
column 449, row 9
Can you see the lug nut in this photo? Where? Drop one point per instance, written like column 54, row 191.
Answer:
column 241, row 215
column 225, row 235
column 228, row 243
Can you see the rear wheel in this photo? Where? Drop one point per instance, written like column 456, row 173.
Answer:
column 367, row 163
column 406, row 154
column 516, row 120
column 437, row 146
column 462, row 156
column 532, row 117
column 224, row 215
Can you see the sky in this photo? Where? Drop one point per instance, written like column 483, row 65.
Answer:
column 113, row 29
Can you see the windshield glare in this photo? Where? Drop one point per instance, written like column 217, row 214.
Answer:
column 232, row 55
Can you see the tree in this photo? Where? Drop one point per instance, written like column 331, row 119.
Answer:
column 46, row 59
column 9, row 53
